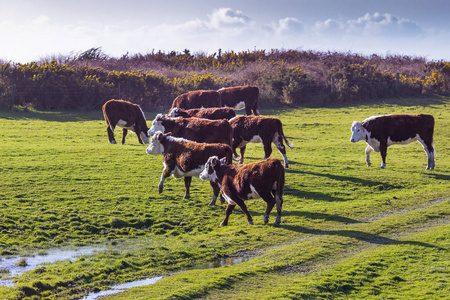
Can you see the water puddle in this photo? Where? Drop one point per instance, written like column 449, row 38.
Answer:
column 122, row 287
column 229, row 261
column 9, row 268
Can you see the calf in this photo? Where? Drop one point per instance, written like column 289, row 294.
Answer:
column 240, row 97
column 197, row 99
column 128, row 116
column 380, row 132
column 263, row 179
column 194, row 129
column 254, row 129
column 183, row 158
column 212, row 113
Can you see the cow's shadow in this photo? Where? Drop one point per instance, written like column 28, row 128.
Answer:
column 358, row 235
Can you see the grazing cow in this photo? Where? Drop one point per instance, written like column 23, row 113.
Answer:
column 380, row 132
column 194, row 129
column 212, row 113
column 184, row 158
column 197, row 99
column 128, row 116
column 239, row 97
column 254, row 129
column 263, row 179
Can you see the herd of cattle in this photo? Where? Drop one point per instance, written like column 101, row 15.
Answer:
column 201, row 133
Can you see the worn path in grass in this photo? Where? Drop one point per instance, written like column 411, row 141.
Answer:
column 63, row 185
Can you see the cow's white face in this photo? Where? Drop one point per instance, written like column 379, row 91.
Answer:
column 173, row 112
column 144, row 137
column 155, row 146
column 156, row 125
column 209, row 173
column 359, row 133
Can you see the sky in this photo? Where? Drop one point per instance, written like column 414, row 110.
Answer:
column 38, row 29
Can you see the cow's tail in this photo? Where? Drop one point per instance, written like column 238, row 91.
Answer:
column 105, row 115
column 284, row 137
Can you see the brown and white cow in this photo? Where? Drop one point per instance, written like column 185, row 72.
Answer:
column 254, row 129
column 211, row 113
column 194, row 129
column 263, row 179
column 240, row 97
column 128, row 116
column 197, row 99
column 380, row 132
column 184, row 158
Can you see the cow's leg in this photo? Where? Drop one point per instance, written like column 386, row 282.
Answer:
column 383, row 151
column 216, row 191
column 168, row 169
column 255, row 108
column 368, row 150
column 279, row 201
column 187, row 185
column 236, row 142
column 429, row 150
column 248, row 109
column 139, row 138
column 161, row 183
column 124, row 134
column 228, row 212
column 270, row 200
column 278, row 141
column 111, row 138
column 242, row 205
column 267, row 148
column 242, row 150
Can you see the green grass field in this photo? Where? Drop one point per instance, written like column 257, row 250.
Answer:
column 347, row 231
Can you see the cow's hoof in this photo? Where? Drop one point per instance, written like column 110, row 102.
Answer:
column 286, row 166
column 212, row 203
column 112, row 142
column 187, row 196
column 160, row 191
column 250, row 223
column 223, row 224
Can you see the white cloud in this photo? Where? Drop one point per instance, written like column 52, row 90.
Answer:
column 226, row 17
column 286, row 26
column 371, row 25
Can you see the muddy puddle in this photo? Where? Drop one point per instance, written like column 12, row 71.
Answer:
column 229, row 261
column 121, row 288
column 14, row 266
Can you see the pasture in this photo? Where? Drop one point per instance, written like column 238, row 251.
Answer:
column 346, row 230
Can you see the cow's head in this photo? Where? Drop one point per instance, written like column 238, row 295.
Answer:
column 174, row 112
column 157, row 125
column 155, row 146
column 144, row 137
column 211, row 167
column 359, row 133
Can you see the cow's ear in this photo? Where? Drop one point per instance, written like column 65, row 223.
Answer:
column 159, row 135
column 223, row 160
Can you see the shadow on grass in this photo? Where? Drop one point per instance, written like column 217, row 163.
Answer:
column 438, row 176
column 359, row 235
column 52, row 116
column 359, row 181
column 313, row 195
column 320, row 216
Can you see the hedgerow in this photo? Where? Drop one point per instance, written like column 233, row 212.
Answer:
column 153, row 80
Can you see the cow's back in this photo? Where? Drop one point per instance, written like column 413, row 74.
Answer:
column 197, row 99
column 204, row 131
column 114, row 110
column 399, row 127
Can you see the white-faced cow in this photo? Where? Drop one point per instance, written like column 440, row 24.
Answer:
column 197, row 99
column 263, row 179
column 128, row 116
column 184, row 158
column 211, row 113
column 240, row 97
column 254, row 129
column 380, row 132
column 194, row 129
